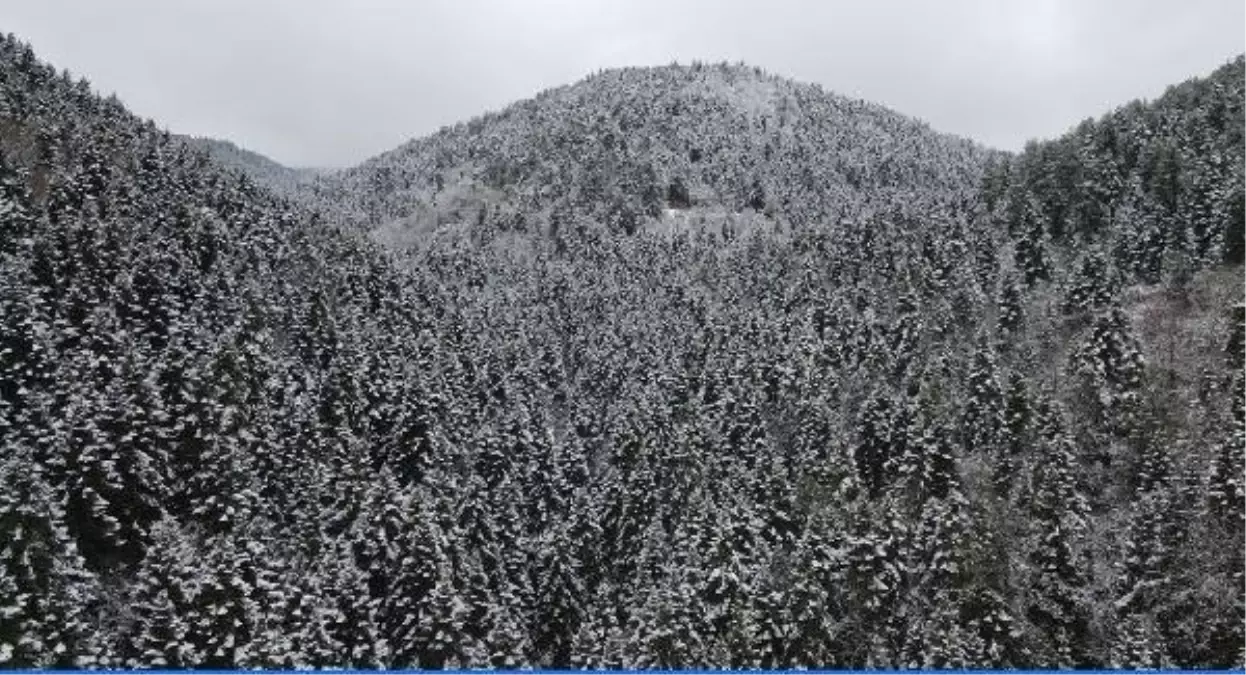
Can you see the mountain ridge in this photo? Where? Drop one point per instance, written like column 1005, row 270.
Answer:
column 264, row 170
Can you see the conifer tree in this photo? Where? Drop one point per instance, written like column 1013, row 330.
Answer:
column 1111, row 366
column 1057, row 601
column 47, row 593
column 1226, row 494
column 983, row 421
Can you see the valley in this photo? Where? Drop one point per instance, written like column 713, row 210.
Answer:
column 678, row 367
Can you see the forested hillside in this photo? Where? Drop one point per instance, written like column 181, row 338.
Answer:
column 264, row 171
column 621, row 148
column 936, row 407
column 1158, row 184
column 168, row 337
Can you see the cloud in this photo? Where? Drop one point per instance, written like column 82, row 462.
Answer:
column 323, row 83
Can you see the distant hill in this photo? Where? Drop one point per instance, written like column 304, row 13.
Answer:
column 261, row 169
column 624, row 148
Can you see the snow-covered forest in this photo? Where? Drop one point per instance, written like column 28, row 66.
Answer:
column 264, row 171
column 690, row 366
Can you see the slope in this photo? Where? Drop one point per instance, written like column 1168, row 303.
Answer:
column 233, row 434
column 619, row 147
column 1153, row 182
column 263, row 170
column 155, row 311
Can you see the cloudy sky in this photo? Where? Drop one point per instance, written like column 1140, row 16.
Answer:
column 331, row 82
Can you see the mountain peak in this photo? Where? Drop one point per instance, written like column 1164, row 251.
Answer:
column 613, row 147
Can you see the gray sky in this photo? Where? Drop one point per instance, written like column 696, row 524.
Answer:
column 332, row 82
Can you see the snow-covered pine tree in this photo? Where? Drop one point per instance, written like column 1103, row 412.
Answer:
column 47, row 596
column 1056, row 601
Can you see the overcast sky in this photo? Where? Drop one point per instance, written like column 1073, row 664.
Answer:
column 331, row 82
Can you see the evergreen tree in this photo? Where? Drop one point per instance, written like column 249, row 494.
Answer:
column 534, row 420
column 558, row 601
column 983, row 421
column 1011, row 317
column 343, row 628
column 1235, row 349
column 1110, row 366
column 1226, row 493
column 1057, row 595
column 1233, row 241
column 162, row 598
column 46, row 594
column 1032, row 257
column 1092, row 287
column 1017, row 432
column 222, row 620
column 410, row 584
column 875, row 447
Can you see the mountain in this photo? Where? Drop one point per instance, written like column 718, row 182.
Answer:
column 625, row 149
column 1155, row 180
column 157, row 310
column 935, row 407
column 264, row 171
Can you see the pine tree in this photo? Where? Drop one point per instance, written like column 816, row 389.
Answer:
column 1145, row 581
column 407, row 577
column 1110, row 366
column 1138, row 646
column 1017, row 432
column 1011, row 309
column 135, row 421
column 601, row 642
column 1032, row 257
column 557, row 601
column 275, row 593
column 161, row 600
column 875, row 447
column 214, row 437
column 727, row 588
column 222, row 621
column 817, row 601
column 1234, row 243
column 983, row 420
column 1057, row 602
column 440, row 633
column 46, row 594
column 1235, row 349
column 491, row 622
column 1226, row 491
column 667, row 626
column 874, row 574
column 1155, row 465
column 344, row 626
column 1092, row 287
